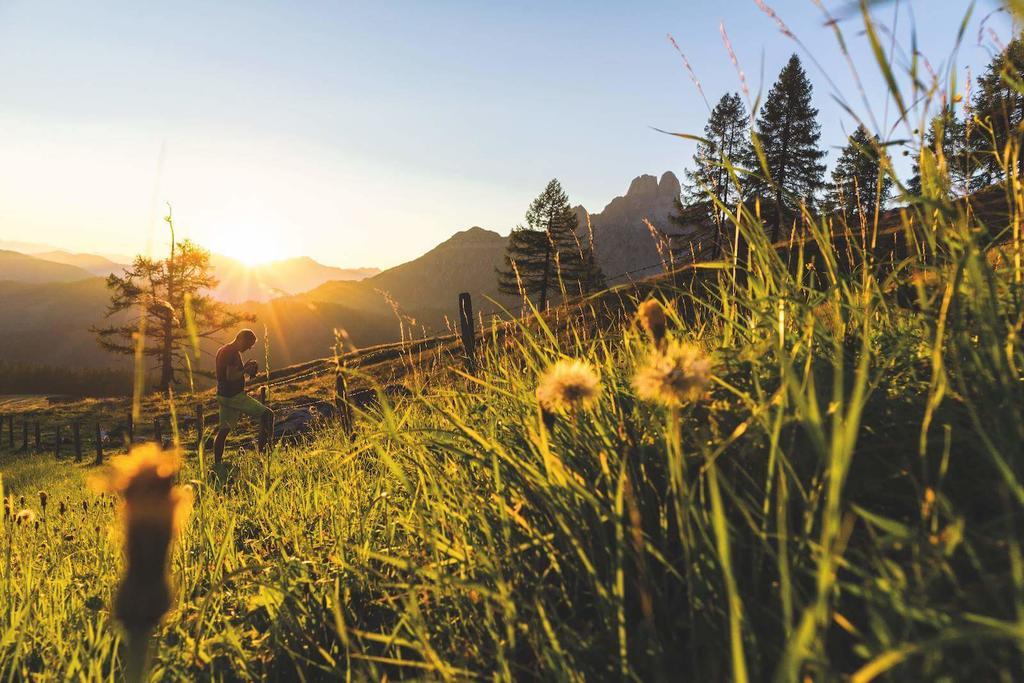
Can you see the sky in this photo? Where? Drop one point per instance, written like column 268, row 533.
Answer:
column 365, row 133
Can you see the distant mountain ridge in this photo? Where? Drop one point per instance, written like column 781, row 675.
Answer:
column 18, row 267
column 301, row 302
column 240, row 283
column 93, row 263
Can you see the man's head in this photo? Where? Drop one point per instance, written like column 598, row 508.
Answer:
column 244, row 340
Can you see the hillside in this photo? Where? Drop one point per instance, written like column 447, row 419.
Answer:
column 240, row 282
column 693, row 482
column 18, row 267
column 93, row 263
column 49, row 323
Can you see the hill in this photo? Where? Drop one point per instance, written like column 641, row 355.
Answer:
column 93, row 263
column 19, row 267
column 49, row 323
column 240, row 282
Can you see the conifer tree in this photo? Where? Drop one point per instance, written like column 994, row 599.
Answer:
column 947, row 133
column 726, row 143
column 171, row 294
column 999, row 105
column 547, row 254
column 855, row 188
column 788, row 131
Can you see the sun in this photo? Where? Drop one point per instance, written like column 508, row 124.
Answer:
column 252, row 244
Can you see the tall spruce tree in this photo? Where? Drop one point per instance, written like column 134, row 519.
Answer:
column 168, row 295
column 947, row 133
column 999, row 105
column 788, row 131
column 710, row 184
column 547, row 254
column 859, row 185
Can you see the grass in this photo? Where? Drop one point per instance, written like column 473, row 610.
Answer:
column 844, row 502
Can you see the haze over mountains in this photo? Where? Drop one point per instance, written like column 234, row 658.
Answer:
column 300, row 302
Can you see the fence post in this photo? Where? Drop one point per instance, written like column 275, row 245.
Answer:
column 466, row 325
column 56, row 442
column 99, row 445
column 131, row 428
column 77, row 434
column 38, row 439
column 263, row 394
column 341, row 405
column 200, row 425
column 10, row 430
column 158, row 435
column 24, row 436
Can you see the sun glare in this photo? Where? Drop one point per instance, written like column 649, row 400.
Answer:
column 251, row 244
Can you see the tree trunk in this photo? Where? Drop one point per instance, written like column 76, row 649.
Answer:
column 547, row 275
column 547, row 267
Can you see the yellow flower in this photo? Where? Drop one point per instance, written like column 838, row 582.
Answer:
column 673, row 376
column 568, row 385
column 651, row 317
column 153, row 510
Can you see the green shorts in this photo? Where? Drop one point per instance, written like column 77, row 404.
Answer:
column 233, row 407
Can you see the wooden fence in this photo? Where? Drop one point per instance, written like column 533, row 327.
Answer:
column 127, row 432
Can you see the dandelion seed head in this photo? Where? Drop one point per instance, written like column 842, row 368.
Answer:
column 25, row 517
column 568, row 385
column 673, row 376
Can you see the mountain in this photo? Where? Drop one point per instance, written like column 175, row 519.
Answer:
column 93, row 263
column 415, row 299
column 623, row 244
column 301, row 302
column 25, row 247
column 239, row 282
column 20, row 267
column 49, row 323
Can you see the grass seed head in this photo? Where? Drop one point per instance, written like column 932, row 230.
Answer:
column 567, row 386
column 651, row 317
column 43, row 498
column 673, row 376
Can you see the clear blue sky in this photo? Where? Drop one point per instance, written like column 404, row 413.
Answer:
column 364, row 133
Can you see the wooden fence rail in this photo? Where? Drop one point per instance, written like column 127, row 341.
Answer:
column 343, row 406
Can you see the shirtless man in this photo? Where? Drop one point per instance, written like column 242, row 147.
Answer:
column 231, row 396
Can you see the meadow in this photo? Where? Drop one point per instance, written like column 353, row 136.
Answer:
column 800, row 462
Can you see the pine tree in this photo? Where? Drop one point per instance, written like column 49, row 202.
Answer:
column 947, row 133
column 709, row 185
column 855, row 188
column 999, row 105
column 547, row 255
column 170, row 295
column 788, row 131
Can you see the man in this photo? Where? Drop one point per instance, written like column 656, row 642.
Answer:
column 231, row 397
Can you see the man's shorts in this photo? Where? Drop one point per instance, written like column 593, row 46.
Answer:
column 233, row 407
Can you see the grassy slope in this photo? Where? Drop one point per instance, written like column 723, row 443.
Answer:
column 824, row 516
